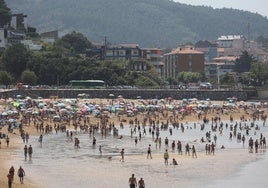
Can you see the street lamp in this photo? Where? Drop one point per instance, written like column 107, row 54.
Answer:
column 218, row 76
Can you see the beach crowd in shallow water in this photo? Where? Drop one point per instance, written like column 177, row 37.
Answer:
column 156, row 121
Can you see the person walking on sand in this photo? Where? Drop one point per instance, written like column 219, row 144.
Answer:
column 141, row 183
column 30, row 152
column 12, row 172
column 149, row 152
column 7, row 140
column 21, row 174
column 9, row 180
column 132, row 182
column 166, row 156
column 122, row 155
column 25, row 152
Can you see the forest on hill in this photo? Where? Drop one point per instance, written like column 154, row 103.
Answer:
column 150, row 23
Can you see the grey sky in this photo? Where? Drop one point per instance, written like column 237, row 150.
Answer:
column 259, row 6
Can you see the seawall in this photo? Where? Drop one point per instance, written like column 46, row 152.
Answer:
column 134, row 93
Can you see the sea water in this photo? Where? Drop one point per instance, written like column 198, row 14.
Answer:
column 56, row 163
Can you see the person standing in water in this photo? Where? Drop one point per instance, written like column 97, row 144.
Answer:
column 149, row 152
column 30, row 152
column 100, row 150
column 194, row 152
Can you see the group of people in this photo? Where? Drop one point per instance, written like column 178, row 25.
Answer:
column 152, row 120
column 133, row 182
column 11, row 173
column 28, row 151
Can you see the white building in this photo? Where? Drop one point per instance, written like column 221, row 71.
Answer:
column 220, row 66
column 31, row 45
column 231, row 41
column 3, row 40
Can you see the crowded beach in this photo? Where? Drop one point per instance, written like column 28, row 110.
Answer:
column 188, row 131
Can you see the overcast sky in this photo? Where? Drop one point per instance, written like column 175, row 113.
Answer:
column 260, row 6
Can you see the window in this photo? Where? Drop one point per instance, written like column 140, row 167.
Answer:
column 190, row 63
column 109, row 52
column 134, row 52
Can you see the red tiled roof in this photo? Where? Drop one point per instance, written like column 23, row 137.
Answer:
column 184, row 51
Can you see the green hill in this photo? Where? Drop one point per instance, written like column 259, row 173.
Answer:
column 150, row 23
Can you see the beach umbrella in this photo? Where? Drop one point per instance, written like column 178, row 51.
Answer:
column 182, row 110
column 41, row 105
column 63, row 110
column 12, row 120
column 4, row 114
column 170, row 107
column 135, row 109
column 35, row 112
column 105, row 112
column 61, row 105
column 16, row 104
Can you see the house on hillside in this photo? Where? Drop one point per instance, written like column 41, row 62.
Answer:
column 49, row 36
column 232, row 41
column 14, row 32
column 3, row 38
column 220, row 66
column 129, row 52
column 124, row 52
column 154, row 56
column 185, row 59
column 209, row 49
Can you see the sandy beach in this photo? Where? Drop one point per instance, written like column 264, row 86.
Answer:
column 190, row 172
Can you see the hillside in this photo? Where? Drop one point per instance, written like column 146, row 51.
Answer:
column 150, row 23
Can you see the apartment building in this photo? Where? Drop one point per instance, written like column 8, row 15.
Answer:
column 183, row 59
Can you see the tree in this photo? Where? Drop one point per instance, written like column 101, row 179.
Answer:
column 227, row 79
column 5, row 78
column 28, row 77
column 5, row 14
column 74, row 42
column 259, row 73
column 15, row 59
column 188, row 77
column 243, row 63
column 263, row 41
column 143, row 81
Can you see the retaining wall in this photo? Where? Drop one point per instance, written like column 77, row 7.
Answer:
column 134, row 93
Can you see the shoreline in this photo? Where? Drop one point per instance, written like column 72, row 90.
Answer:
column 16, row 145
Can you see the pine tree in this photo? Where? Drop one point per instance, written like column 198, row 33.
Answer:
column 5, row 14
